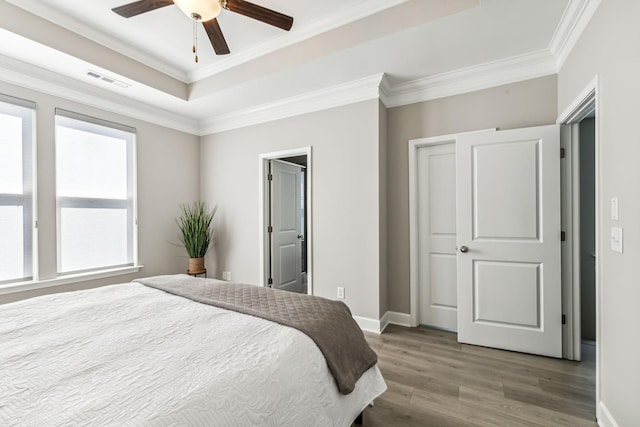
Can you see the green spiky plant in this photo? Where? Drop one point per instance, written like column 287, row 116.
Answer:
column 196, row 230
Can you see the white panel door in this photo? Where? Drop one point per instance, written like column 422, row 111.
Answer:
column 436, row 194
column 508, row 224
column 286, row 220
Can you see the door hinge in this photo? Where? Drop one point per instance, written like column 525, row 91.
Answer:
column 563, row 236
column 270, row 177
column 269, row 229
column 564, row 319
column 563, row 153
column 270, row 282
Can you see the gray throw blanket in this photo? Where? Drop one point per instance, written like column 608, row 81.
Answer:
column 328, row 323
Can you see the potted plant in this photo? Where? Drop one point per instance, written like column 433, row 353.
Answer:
column 196, row 232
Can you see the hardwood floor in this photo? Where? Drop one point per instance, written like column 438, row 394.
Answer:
column 435, row 381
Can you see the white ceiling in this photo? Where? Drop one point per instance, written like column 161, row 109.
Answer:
column 332, row 42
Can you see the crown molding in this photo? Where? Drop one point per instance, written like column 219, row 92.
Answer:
column 297, row 35
column 51, row 83
column 518, row 68
column 575, row 19
column 314, row 28
column 504, row 71
column 48, row 13
column 334, row 96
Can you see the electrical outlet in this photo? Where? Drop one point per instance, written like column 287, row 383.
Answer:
column 226, row 275
column 340, row 292
column 616, row 239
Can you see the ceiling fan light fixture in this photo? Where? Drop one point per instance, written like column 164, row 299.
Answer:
column 199, row 10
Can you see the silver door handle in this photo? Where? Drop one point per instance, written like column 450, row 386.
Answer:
column 300, row 236
column 464, row 249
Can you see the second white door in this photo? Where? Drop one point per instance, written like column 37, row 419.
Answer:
column 436, row 220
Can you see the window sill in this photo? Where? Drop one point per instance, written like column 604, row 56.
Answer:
column 65, row 280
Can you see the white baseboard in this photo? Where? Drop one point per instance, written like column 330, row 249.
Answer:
column 377, row 326
column 367, row 324
column 401, row 319
column 605, row 419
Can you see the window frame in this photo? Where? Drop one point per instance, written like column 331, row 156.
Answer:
column 26, row 110
column 64, row 118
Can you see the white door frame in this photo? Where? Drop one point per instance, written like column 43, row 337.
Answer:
column 584, row 104
column 414, row 145
column 263, row 209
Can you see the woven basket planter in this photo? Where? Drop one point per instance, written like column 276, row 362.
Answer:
column 196, row 266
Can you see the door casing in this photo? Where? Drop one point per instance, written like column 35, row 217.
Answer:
column 585, row 104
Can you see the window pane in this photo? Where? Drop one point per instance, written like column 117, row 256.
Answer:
column 10, row 154
column 90, row 165
column 11, row 243
column 92, row 238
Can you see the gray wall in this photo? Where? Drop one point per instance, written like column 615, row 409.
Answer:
column 167, row 175
column 524, row 104
column 346, row 192
column 608, row 48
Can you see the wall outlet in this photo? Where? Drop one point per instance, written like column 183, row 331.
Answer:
column 616, row 239
column 226, row 275
column 340, row 293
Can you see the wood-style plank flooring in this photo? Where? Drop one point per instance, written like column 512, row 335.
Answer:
column 435, row 381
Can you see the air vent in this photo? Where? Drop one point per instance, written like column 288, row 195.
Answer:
column 107, row 79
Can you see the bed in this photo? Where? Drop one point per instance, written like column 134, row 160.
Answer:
column 132, row 355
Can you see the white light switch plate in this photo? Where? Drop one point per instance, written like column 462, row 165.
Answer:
column 616, row 239
column 614, row 208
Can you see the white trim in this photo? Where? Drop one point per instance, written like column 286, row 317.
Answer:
column 605, row 419
column 579, row 108
column 504, row 71
column 51, row 14
column 378, row 326
column 396, row 318
column 334, row 96
column 575, row 112
column 298, row 34
column 51, row 83
column 575, row 19
column 263, row 206
column 65, row 280
column 369, row 325
column 414, row 145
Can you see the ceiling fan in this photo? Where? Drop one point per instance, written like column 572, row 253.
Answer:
column 206, row 11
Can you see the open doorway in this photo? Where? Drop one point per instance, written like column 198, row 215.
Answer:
column 285, row 220
column 586, row 146
column 581, row 222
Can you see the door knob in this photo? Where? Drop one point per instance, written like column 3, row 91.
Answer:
column 464, row 249
column 300, row 236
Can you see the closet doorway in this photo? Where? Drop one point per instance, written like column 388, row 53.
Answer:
column 285, row 220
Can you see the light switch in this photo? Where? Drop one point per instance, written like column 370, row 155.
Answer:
column 614, row 208
column 616, row 239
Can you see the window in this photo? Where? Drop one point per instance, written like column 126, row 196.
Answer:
column 16, row 189
column 95, row 193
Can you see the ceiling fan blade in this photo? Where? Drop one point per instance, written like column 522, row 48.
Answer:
column 260, row 13
column 142, row 6
column 216, row 37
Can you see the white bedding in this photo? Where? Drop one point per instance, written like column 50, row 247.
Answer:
column 129, row 355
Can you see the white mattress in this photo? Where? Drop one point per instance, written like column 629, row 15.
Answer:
column 129, row 355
